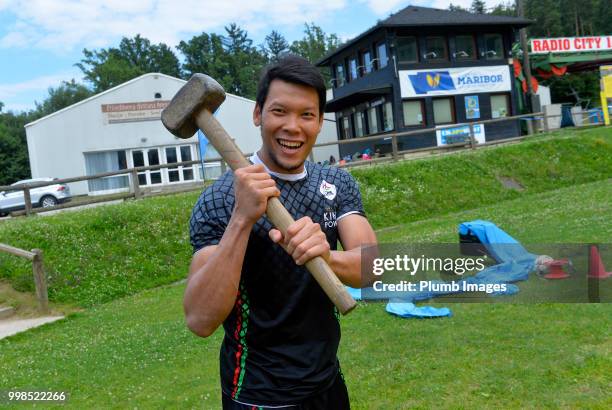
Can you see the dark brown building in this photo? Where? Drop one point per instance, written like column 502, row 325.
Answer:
column 425, row 68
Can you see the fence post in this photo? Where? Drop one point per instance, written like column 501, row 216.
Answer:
column 529, row 125
column 28, row 200
column 223, row 167
column 40, row 280
column 136, row 184
column 545, row 120
column 472, row 138
column 394, row 147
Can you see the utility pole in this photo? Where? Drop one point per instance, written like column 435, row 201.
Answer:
column 532, row 102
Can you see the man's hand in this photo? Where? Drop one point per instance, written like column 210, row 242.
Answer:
column 304, row 241
column 252, row 187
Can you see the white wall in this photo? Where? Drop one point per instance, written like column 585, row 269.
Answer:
column 328, row 134
column 57, row 143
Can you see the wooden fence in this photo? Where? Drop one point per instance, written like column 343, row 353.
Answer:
column 40, row 279
column 538, row 121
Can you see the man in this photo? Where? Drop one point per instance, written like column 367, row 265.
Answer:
column 281, row 330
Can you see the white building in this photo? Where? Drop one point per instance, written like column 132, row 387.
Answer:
column 120, row 128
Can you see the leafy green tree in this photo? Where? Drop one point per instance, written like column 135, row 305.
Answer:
column 504, row 9
column 478, row 7
column 275, row 45
column 13, row 147
column 452, row 7
column 576, row 88
column 244, row 62
column 232, row 59
column 106, row 68
column 315, row 45
column 68, row 93
column 204, row 54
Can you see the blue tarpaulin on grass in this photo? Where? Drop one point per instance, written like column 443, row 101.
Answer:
column 514, row 264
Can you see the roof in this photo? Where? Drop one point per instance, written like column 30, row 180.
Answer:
column 110, row 90
column 414, row 16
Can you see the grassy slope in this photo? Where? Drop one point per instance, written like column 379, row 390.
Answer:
column 495, row 356
column 415, row 190
column 100, row 254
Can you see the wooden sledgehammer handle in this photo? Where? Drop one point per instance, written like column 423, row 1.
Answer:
column 280, row 217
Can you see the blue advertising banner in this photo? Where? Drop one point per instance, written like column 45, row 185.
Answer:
column 455, row 81
column 459, row 133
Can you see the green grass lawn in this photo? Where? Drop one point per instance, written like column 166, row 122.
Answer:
column 136, row 352
column 97, row 255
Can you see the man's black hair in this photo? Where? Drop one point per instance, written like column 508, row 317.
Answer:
column 292, row 69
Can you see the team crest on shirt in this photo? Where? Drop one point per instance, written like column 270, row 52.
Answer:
column 328, row 190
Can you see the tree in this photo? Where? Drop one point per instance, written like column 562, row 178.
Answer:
column 14, row 160
column 204, row 54
column 244, row 62
column 478, row 7
column 452, row 7
column 315, row 45
column 232, row 60
column 507, row 9
column 107, row 68
column 275, row 45
column 68, row 93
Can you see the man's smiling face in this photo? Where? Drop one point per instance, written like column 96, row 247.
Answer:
column 290, row 122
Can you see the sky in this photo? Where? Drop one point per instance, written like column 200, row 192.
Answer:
column 41, row 40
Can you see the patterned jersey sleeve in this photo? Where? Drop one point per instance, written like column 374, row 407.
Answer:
column 349, row 196
column 209, row 219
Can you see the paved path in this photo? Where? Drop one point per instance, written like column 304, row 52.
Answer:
column 9, row 327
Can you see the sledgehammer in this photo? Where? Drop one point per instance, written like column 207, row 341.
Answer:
column 192, row 108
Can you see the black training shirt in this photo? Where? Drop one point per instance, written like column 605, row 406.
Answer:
column 281, row 338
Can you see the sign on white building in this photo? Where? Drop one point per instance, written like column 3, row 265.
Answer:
column 454, row 81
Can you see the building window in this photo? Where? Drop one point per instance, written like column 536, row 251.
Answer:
column 443, row 111
column 153, row 157
column 340, row 75
column 346, row 128
column 500, row 105
column 366, row 61
column 373, row 121
column 175, row 155
column 407, row 50
column 494, row 46
column 381, row 51
column 359, row 124
column 413, row 113
column 465, row 48
column 353, row 69
column 99, row 162
column 435, row 48
column 387, row 116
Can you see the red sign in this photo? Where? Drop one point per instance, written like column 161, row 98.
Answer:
column 570, row 44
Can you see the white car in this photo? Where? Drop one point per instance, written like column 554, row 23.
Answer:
column 44, row 196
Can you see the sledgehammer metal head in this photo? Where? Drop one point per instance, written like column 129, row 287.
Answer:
column 200, row 92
